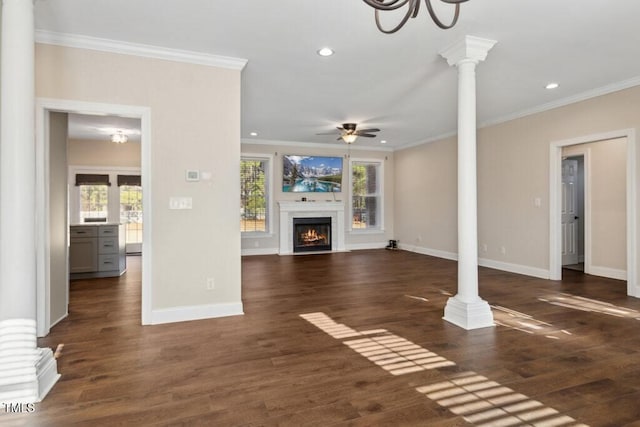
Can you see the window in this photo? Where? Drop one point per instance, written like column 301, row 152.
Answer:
column 366, row 198
column 94, row 203
column 131, row 210
column 94, row 197
column 254, row 198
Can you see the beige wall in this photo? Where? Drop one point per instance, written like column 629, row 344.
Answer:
column 195, row 124
column 354, row 239
column 426, row 198
column 103, row 153
column 513, row 170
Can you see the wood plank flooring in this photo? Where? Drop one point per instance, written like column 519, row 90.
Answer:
column 569, row 350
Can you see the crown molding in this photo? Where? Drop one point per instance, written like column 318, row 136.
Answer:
column 354, row 147
column 584, row 96
column 426, row 141
column 147, row 51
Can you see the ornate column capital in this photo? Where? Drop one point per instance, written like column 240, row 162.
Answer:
column 468, row 48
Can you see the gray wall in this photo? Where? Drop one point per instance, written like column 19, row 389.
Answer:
column 58, row 231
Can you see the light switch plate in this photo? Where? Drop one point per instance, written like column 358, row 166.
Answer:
column 180, row 203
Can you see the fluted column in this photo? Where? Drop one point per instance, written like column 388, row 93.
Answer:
column 26, row 372
column 466, row 309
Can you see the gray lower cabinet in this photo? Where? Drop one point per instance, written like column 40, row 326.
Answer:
column 97, row 251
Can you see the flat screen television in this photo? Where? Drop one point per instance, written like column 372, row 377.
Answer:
column 311, row 174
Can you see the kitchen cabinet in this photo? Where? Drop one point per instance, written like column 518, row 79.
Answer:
column 97, row 250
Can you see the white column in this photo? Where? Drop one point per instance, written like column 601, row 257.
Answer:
column 467, row 309
column 26, row 372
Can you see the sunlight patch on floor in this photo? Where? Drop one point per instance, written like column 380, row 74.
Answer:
column 397, row 355
column 522, row 322
column 483, row 402
column 587, row 304
column 418, row 298
column 336, row 330
column 476, row 398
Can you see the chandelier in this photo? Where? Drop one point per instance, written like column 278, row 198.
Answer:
column 412, row 11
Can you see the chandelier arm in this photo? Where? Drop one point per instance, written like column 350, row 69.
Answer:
column 390, row 5
column 437, row 21
column 416, row 8
column 397, row 27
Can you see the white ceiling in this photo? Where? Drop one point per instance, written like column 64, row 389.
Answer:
column 396, row 82
column 100, row 128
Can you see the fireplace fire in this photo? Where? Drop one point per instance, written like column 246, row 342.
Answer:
column 311, row 234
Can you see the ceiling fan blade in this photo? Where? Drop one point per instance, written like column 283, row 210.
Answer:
column 368, row 130
column 339, row 138
column 367, row 135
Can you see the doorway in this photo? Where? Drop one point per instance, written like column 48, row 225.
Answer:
column 573, row 212
column 43, row 154
column 625, row 252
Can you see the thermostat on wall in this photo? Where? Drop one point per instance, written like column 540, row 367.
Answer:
column 193, row 175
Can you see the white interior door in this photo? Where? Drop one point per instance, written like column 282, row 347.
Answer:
column 569, row 212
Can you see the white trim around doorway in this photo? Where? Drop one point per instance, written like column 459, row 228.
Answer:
column 555, row 202
column 43, row 107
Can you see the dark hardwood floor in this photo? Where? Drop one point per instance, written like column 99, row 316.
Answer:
column 371, row 349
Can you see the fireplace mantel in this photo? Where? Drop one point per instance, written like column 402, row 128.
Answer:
column 290, row 210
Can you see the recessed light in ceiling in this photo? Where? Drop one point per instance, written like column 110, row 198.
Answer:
column 383, row 142
column 254, row 134
column 552, row 86
column 325, row 51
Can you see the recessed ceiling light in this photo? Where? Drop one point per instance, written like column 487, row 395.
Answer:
column 552, row 86
column 383, row 142
column 254, row 134
column 325, row 51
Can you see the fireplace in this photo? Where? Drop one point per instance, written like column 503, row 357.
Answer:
column 311, row 209
column 311, row 234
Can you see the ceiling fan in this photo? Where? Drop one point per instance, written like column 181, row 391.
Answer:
column 348, row 132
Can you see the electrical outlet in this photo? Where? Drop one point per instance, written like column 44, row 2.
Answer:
column 484, row 247
column 503, row 250
column 211, row 285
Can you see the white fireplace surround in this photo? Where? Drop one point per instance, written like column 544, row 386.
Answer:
column 290, row 210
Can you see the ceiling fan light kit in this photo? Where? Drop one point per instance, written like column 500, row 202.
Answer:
column 349, row 132
column 350, row 138
column 412, row 11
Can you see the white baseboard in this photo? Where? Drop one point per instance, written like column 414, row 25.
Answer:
column 47, row 372
column 195, row 312
column 483, row 262
column 363, row 246
column 427, row 251
column 259, row 251
column 610, row 273
column 55, row 322
column 525, row 270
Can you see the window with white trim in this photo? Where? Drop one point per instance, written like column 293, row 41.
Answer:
column 254, row 195
column 131, row 210
column 94, row 197
column 366, row 195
